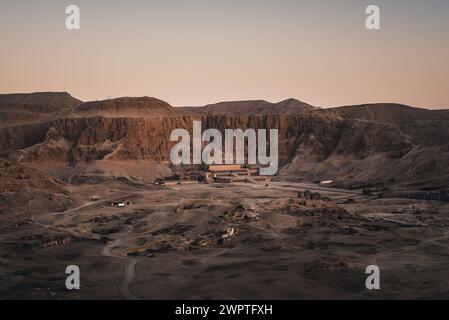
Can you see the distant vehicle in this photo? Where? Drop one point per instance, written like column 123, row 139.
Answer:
column 121, row 204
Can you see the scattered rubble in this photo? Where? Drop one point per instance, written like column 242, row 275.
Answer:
column 308, row 195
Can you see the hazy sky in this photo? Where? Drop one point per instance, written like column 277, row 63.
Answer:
column 194, row 52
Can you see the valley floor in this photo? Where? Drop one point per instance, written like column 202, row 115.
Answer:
column 239, row 241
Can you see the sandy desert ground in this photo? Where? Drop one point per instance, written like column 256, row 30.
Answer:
column 214, row 241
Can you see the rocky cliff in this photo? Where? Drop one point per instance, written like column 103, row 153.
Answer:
column 387, row 143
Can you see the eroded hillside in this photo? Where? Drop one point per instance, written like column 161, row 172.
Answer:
column 385, row 143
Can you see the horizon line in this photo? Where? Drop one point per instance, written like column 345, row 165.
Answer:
column 226, row 101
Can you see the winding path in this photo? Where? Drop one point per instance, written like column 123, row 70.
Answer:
column 129, row 271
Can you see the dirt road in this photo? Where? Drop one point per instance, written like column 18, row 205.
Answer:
column 129, row 272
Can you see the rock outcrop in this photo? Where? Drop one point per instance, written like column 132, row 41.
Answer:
column 382, row 143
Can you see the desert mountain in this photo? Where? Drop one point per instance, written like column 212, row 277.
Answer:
column 49, row 99
column 254, row 107
column 360, row 145
column 123, row 129
column 20, row 108
column 389, row 113
column 146, row 107
column 422, row 126
column 383, row 143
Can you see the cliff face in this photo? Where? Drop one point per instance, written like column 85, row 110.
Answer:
column 85, row 139
column 313, row 144
column 96, row 138
column 383, row 143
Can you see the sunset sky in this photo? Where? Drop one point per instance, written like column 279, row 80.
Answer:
column 195, row 52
